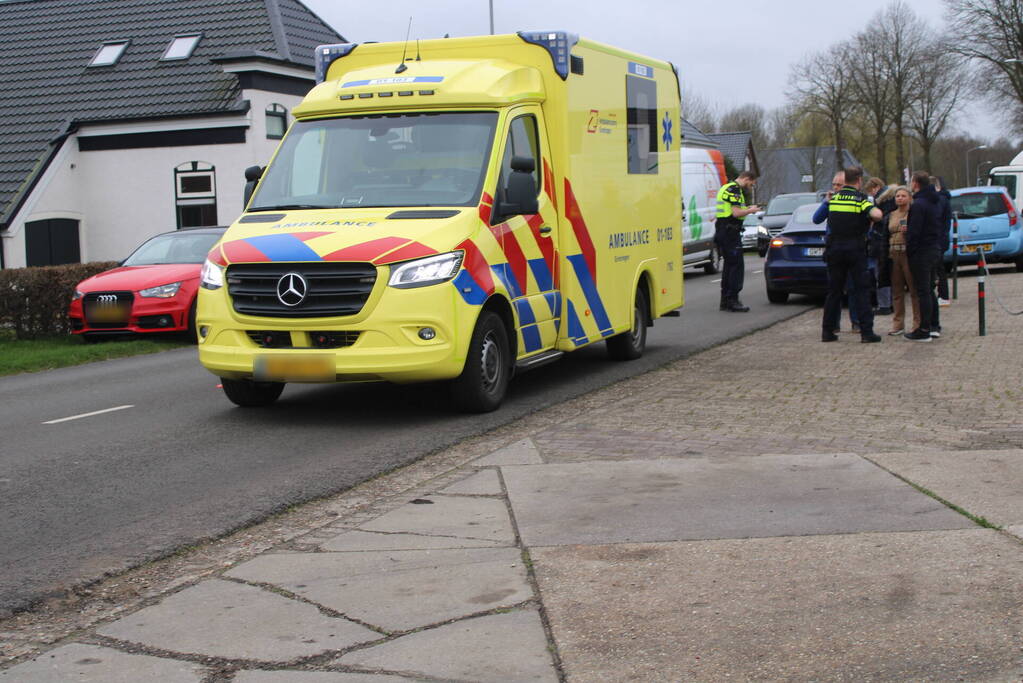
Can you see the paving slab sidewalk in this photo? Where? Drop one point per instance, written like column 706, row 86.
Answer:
column 770, row 509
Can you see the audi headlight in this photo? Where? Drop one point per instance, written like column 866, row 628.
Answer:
column 161, row 291
column 212, row 275
column 431, row 270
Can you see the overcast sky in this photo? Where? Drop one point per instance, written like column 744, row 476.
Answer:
column 727, row 52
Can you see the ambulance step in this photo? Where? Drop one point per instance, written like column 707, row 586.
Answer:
column 537, row 361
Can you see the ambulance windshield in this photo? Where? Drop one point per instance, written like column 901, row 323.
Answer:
column 425, row 159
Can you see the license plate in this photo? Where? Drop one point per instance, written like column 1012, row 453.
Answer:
column 107, row 313
column 972, row 248
column 815, row 251
column 295, row 368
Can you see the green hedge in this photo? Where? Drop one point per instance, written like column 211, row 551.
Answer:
column 34, row 301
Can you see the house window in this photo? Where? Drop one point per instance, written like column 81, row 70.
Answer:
column 276, row 121
column 181, row 47
column 641, row 112
column 109, row 53
column 195, row 194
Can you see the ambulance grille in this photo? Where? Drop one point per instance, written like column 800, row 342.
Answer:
column 331, row 289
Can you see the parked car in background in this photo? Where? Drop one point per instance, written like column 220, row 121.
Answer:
column 795, row 258
column 987, row 220
column 153, row 290
column 752, row 229
column 780, row 208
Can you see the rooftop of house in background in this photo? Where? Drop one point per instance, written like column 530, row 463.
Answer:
column 799, row 169
column 694, row 137
column 737, row 147
column 65, row 63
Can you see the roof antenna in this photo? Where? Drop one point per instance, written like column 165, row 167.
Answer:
column 418, row 58
column 402, row 67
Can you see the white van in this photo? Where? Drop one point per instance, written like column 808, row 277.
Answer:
column 703, row 174
column 1010, row 177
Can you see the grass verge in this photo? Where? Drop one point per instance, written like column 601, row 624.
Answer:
column 59, row 352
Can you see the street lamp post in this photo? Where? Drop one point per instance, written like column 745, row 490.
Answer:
column 983, row 163
column 966, row 178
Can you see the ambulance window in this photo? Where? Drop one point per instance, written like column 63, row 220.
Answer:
column 523, row 141
column 641, row 112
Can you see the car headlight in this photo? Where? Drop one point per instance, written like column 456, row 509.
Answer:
column 431, row 270
column 762, row 231
column 212, row 275
column 78, row 295
column 161, row 291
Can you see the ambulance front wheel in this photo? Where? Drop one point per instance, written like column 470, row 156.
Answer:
column 249, row 394
column 484, row 380
column 630, row 345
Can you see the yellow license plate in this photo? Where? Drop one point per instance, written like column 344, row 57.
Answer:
column 972, row 248
column 110, row 313
column 295, row 368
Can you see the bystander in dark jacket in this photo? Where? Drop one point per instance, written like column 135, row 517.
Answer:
column 923, row 249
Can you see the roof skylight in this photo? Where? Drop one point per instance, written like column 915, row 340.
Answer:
column 109, row 53
column 181, row 47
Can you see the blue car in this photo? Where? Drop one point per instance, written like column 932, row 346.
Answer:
column 988, row 221
column 795, row 258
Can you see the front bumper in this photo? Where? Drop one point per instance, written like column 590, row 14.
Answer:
column 147, row 316
column 382, row 343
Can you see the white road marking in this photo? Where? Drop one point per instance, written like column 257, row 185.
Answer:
column 718, row 280
column 757, row 271
column 95, row 412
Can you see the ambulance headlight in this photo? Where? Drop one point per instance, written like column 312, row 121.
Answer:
column 212, row 276
column 431, row 270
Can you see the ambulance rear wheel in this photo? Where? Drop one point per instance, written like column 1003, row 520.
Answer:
column 249, row 394
column 630, row 345
column 484, row 380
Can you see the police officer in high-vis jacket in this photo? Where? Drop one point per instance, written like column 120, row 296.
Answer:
column 731, row 209
column 850, row 214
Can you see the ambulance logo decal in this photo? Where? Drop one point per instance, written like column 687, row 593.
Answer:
column 666, row 138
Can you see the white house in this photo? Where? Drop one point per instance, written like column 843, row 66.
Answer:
column 126, row 118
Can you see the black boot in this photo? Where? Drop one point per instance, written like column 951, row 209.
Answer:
column 736, row 306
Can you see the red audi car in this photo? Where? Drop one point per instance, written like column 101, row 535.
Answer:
column 153, row 290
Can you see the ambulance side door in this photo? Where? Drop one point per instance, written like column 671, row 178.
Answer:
column 530, row 241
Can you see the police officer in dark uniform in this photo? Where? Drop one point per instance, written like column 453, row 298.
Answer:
column 850, row 213
column 731, row 209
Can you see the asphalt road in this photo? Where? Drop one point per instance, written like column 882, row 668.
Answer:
column 171, row 462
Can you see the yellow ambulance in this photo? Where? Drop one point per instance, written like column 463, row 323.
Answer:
column 457, row 209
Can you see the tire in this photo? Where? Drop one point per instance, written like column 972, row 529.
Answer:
column 630, row 345
column 482, row 386
column 714, row 264
column 777, row 297
column 1019, row 264
column 249, row 394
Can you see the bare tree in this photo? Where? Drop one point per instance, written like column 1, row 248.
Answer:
column 940, row 83
column 781, row 126
column 822, row 85
column 698, row 111
column 990, row 32
column 751, row 117
column 902, row 36
column 873, row 89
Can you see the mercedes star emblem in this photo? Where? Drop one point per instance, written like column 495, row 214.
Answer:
column 291, row 289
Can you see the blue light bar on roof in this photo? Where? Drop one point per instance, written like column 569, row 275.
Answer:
column 558, row 43
column 326, row 54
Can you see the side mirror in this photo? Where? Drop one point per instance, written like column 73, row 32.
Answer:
column 252, row 176
column 520, row 192
column 760, row 214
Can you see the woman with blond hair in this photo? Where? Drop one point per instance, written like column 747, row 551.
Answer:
column 902, row 281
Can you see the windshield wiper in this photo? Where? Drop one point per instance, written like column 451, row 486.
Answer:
column 291, row 207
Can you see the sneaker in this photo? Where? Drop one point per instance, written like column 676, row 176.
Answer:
column 869, row 338
column 944, row 302
column 896, row 333
column 828, row 336
column 918, row 336
column 936, row 332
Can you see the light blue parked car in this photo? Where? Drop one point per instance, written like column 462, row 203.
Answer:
column 988, row 221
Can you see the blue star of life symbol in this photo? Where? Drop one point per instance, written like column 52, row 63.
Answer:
column 667, row 131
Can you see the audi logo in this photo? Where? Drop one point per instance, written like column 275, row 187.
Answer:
column 107, row 298
column 292, row 289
